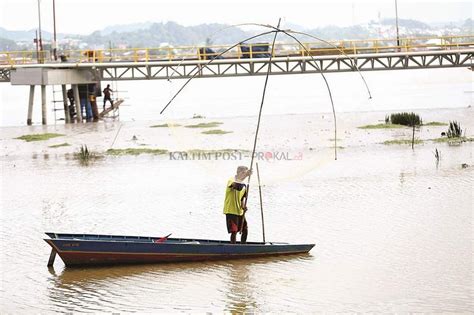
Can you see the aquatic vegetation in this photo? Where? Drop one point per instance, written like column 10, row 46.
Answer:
column 454, row 130
column 402, row 141
column 85, row 156
column 216, row 132
column 136, row 151
column 437, row 155
column 65, row 144
column 453, row 140
column 405, row 119
column 39, row 137
column 435, row 123
column 213, row 124
column 381, row 126
column 165, row 126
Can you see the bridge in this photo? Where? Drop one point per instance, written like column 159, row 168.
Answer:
column 288, row 58
column 77, row 67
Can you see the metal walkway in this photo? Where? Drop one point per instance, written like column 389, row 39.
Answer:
column 184, row 62
column 115, row 71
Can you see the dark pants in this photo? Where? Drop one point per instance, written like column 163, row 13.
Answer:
column 237, row 223
column 107, row 98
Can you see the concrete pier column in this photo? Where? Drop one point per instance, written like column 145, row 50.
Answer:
column 67, row 116
column 29, row 119
column 77, row 100
column 43, row 105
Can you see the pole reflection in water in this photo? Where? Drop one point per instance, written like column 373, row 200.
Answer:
column 239, row 289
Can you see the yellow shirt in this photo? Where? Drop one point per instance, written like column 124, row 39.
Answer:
column 233, row 199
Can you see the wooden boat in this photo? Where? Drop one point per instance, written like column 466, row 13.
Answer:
column 93, row 249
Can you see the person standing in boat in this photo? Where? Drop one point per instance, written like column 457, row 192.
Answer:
column 107, row 97
column 234, row 205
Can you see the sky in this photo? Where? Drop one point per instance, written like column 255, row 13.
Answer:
column 86, row 16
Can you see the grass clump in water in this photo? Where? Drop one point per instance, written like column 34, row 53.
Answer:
column 136, row 151
column 165, row 126
column 215, row 132
column 405, row 119
column 39, row 137
column 398, row 120
column 435, row 123
column 402, row 141
column 65, row 144
column 454, row 130
column 213, row 124
column 381, row 126
column 85, row 156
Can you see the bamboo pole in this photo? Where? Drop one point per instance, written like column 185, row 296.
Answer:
column 261, row 202
column 259, row 119
column 52, row 256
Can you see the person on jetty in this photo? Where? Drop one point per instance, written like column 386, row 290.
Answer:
column 235, row 205
column 72, row 108
column 70, row 96
column 107, row 91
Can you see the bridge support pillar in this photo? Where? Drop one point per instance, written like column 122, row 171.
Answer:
column 77, row 100
column 67, row 116
column 29, row 119
column 43, row 105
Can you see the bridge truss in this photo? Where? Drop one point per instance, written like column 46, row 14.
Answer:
column 183, row 69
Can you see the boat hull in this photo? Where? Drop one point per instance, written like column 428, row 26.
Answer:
column 83, row 250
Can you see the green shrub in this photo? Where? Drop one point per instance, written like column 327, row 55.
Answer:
column 406, row 119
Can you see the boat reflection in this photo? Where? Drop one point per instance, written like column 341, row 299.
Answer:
column 234, row 283
column 91, row 275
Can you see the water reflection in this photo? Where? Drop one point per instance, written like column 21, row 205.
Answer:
column 105, row 288
column 239, row 291
column 245, row 280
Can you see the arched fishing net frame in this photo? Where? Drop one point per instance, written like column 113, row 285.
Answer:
column 291, row 34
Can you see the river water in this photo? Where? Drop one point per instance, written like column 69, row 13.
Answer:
column 393, row 228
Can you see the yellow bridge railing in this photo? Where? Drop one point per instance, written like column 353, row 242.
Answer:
column 248, row 50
